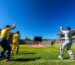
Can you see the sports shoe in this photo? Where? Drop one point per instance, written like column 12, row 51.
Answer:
column 7, row 60
column 60, row 57
column 72, row 58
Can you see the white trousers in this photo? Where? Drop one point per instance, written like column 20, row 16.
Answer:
column 67, row 44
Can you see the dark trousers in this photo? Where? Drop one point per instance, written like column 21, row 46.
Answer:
column 5, row 47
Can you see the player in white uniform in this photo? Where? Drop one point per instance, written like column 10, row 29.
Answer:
column 67, row 43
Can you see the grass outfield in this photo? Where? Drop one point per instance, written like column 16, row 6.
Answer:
column 39, row 56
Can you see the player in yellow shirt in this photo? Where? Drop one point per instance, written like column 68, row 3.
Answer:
column 15, row 42
column 4, row 41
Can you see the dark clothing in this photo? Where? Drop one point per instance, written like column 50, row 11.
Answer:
column 5, row 47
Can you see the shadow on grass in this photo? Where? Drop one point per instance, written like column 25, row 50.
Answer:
column 66, row 58
column 25, row 60
column 27, row 53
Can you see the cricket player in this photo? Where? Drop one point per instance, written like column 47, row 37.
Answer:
column 52, row 42
column 15, row 42
column 67, row 43
column 4, row 41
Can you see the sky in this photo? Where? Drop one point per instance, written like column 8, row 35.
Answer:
column 37, row 17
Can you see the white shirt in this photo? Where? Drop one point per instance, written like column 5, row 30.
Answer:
column 68, row 35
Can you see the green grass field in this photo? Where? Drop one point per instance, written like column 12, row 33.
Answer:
column 39, row 56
